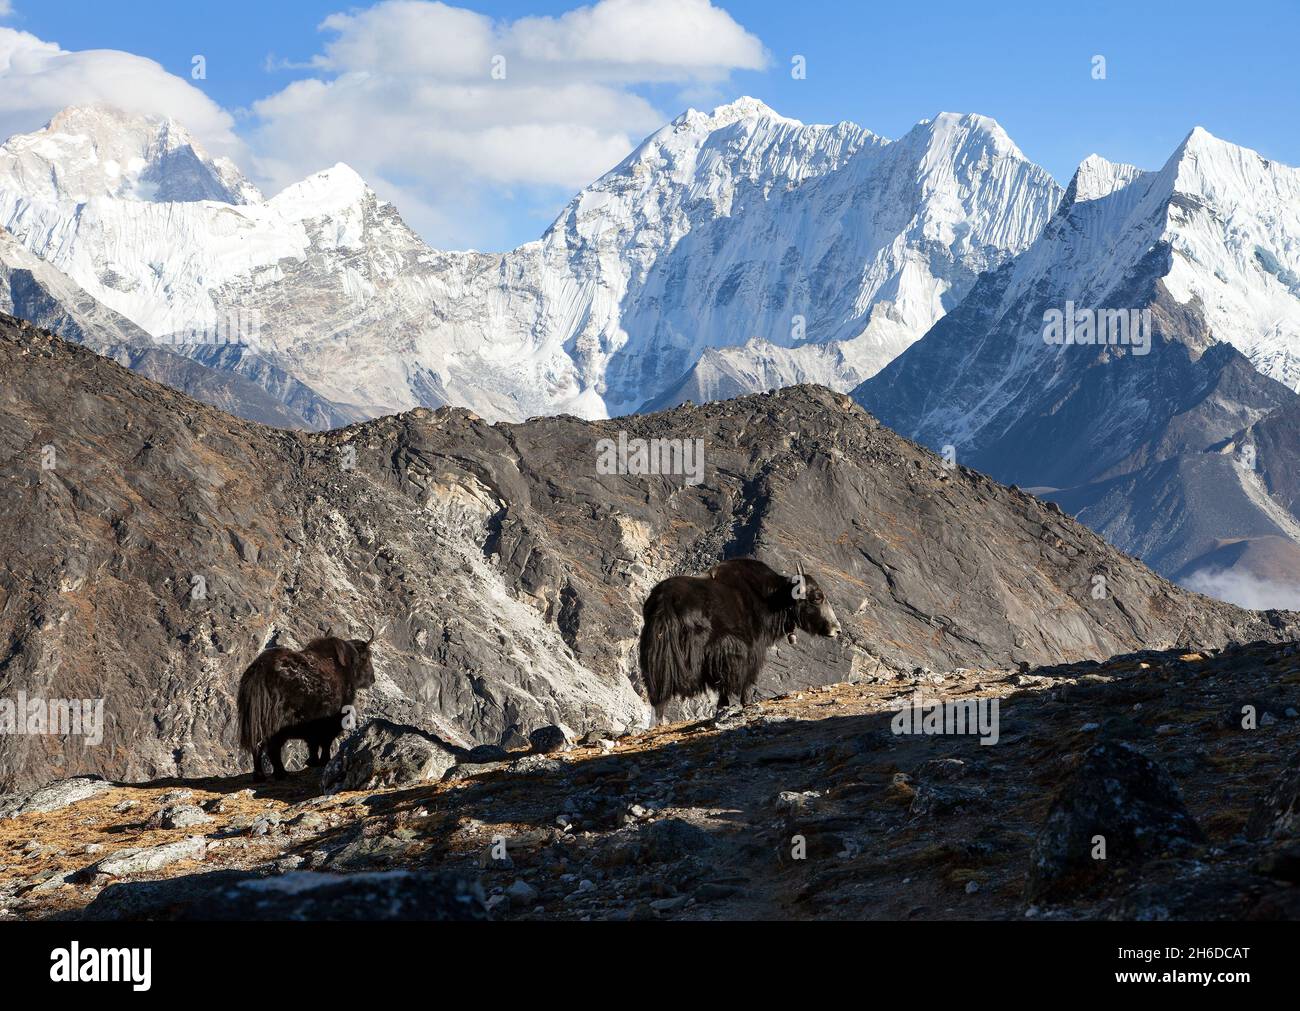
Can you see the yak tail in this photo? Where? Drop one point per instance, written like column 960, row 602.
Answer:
column 259, row 710
column 670, row 654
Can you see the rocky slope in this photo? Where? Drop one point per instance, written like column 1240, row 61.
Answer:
column 807, row 806
column 1149, row 446
column 719, row 228
column 152, row 545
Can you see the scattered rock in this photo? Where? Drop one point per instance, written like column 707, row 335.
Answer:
column 545, row 740
column 384, row 754
column 178, row 816
column 54, row 796
column 521, row 892
column 147, row 859
column 1116, row 797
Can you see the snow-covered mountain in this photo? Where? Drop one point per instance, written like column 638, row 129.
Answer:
column 33, row 290
column 230, row 377
column 1148, row 441
column 95, row 152
column 803, row 250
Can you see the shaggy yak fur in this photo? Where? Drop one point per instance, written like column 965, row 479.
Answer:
column 288, row 695
column 714, row 631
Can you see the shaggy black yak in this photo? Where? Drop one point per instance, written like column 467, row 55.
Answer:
column 288, row 695
column 714, row 630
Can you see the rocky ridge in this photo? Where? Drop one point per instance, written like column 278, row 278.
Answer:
column 153, row 545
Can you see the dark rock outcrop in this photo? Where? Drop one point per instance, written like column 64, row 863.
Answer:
column 1277, row 815
column 1118, row 808
column 299, row 895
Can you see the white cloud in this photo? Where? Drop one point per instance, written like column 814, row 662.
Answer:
column 6, row 8
column 404, row 92
column 39, row 78
column 406, row 95
column 641, row 40
column 1244, row 590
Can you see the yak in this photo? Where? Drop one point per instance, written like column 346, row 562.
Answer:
column 287, row 695
column 714, row 631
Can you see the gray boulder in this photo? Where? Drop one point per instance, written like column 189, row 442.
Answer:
column 384, row 754
column 178, row 816
column 54, row 796
column 544, row 740
column 147, row 859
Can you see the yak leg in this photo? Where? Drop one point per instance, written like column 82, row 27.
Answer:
column 274, row 747
column 319, row 746
column 314, row 737
column 728, row 656
column 258, row 775
column 320, row 736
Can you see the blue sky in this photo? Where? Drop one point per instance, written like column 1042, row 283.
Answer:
column 1169, row 66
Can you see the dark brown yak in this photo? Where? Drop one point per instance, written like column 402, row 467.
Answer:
column 287, row 695
column 714, row 631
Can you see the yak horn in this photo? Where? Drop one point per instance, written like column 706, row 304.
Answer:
column 375, row 633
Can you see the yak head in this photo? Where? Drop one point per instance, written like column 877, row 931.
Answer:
column 812, row 611
column 353, row 659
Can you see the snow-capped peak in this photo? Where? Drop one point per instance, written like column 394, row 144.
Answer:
column 1233, row 224
column 953, row 130
column 832, row 246
column 1097, row 177
column 744, row 107
column 325, row 192
column 89, row 151
column 1219, row 171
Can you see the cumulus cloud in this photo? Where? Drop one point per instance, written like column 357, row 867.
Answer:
column 441, row 107
column 39, row 78
column 1245, row 590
